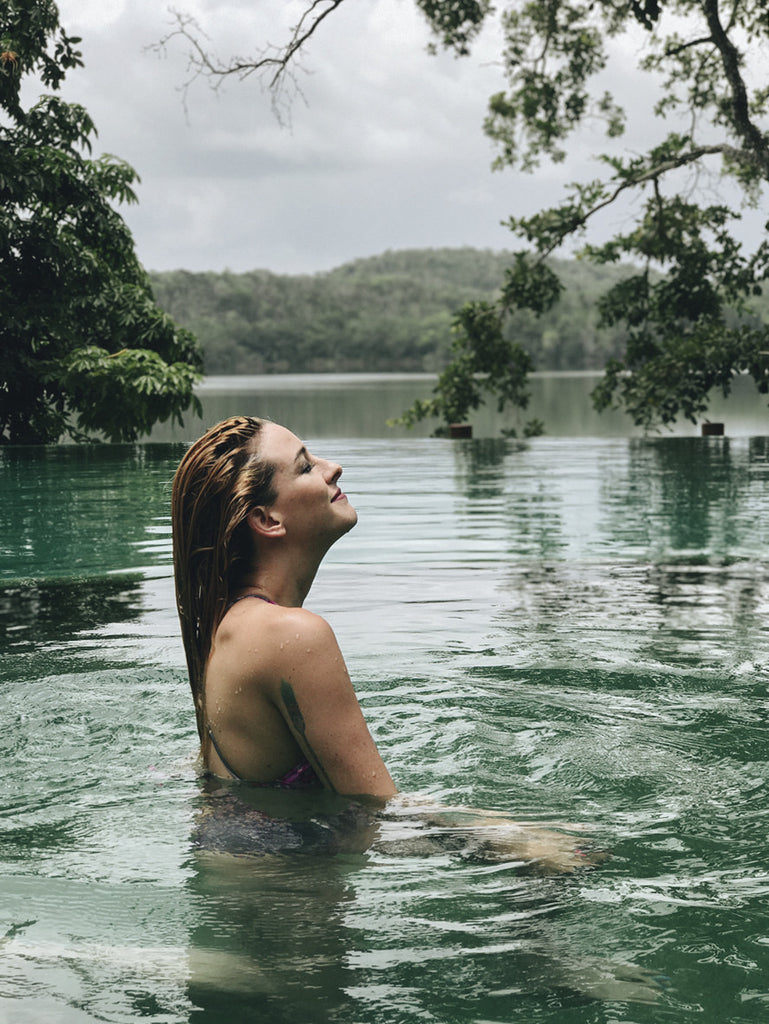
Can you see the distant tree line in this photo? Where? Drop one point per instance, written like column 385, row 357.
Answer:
column 386, row 313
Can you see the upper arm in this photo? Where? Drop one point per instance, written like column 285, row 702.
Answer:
column 314, row 694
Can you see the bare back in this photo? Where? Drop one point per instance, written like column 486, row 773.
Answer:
column 277, row 693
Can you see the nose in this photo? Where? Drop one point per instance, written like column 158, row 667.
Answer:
column 333, row 471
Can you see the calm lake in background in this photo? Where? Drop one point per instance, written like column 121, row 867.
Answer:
column 359, row 405
column 573, row 629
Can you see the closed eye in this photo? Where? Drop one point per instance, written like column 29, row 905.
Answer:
column 303, row 461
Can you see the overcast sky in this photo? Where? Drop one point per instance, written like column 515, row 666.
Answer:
column 387, row 152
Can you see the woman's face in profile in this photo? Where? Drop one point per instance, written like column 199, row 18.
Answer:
column 309, row 498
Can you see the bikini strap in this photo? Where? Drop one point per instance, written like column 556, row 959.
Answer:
column 244, row 596
column 221, row 756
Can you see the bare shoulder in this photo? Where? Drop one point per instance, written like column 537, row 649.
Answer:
column 309, row 625
column 272, row 629
column 299, row 635
column 279, row 617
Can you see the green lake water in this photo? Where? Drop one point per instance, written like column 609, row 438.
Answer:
column 570, row 630
column 358, row 405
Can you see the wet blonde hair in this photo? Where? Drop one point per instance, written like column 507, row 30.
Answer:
column 219, row 480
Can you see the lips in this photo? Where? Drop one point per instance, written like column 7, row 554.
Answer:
column 337, row 496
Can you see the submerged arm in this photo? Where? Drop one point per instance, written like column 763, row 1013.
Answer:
column 493, row 836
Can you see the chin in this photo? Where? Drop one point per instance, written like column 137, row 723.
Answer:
column 353, row 519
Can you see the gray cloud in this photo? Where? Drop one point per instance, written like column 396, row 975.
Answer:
column 385, row 147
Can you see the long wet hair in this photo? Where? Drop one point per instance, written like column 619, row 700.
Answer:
column 219, row 480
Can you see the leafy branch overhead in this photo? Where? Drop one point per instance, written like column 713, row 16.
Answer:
column 690, row 279
column 683, row 309
column 85, row 350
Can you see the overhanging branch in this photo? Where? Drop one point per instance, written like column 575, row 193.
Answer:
column 276, row 61
column 652, row 174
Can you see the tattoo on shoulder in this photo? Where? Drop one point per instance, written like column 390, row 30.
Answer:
column 292, row 707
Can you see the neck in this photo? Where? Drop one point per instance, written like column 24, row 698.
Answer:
column 284, row 580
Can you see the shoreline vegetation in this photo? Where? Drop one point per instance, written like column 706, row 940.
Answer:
column 386, row 313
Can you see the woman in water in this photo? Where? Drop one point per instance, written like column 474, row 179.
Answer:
column 253, row 515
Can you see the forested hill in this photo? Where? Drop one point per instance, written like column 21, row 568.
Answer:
column 386, row 313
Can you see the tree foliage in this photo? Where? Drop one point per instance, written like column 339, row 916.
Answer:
column 685, row 313
column 484, row 361
column 85, row 350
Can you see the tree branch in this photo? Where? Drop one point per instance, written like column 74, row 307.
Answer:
column 673, row 51
column 652, row 174
column 277, row 61
column 300, row 33
column 754, row 139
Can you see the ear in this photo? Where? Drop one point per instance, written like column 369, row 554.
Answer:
column 266, row 522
